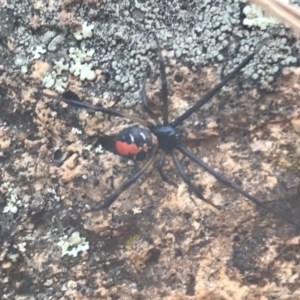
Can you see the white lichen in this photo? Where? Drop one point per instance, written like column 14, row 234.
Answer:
column 136, row 210
column 10, row 207
column 76, row 130
column 130, row 162
column 86, row 31
column 61, row 66
column 48, row 282
column 99, row 149
column 53, row 193
column 100, row 115
column 22, row 246
column 78, row 66
column 88, row 147
column 83, row 71
column 13, row 256
column 73, row 245
column 61, row 84
column 22, row 62
column 49, row 80
column 37, row 51
column 53, row 80
column 13, row 197
column 24, row 69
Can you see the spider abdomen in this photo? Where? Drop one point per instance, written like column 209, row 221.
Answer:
column 135, row 142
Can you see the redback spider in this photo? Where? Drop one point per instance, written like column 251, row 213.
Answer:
column 139, row 143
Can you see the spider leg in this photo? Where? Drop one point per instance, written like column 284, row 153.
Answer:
column 104, row 110
column 145, row 100
column 109, row 200
column 187, row 180
column 230, row 184
column 161, row 171
column 164, row 85
column 216, row 88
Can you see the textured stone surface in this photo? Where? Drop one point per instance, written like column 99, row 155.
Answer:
column 153, row 243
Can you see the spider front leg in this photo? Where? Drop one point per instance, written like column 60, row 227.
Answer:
column 216, row 88
column 233, row 186
column 145, row 100
column 81, row 104
column 164, row 85
column 187, row 180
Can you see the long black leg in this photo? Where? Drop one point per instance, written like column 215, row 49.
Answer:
column 108, row 201
column 161, row 171
column 187, row 180
column 104, row 110
column 215, row 89
column 160, row 167
column 164, row 86
column 230, row 184
column 145, row 100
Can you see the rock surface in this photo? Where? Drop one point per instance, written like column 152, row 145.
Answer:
column 154, row 242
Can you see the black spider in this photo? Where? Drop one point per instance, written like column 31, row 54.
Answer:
column 138, row 143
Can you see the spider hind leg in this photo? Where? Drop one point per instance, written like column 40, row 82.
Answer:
column 187, row 180
column 235, row 187
column 132, row 179
column 161, row 172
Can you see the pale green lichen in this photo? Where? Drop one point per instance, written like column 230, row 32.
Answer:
column 77, row 66
column 13, row 197
column 73, row 245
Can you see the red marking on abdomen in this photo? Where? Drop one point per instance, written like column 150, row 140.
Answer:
column 126, row 149
column 146, row 147
column 154, row 139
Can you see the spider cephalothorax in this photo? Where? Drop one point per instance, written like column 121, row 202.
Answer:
column 167, row 137
column 143, row 142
